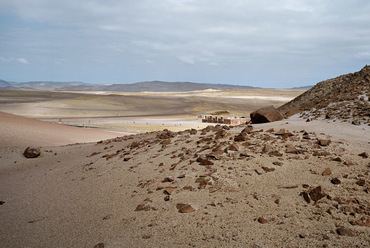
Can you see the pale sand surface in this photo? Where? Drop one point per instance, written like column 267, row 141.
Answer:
column 17, row 131
column 69, row 197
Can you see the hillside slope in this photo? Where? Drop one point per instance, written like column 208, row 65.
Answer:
column 345, row 97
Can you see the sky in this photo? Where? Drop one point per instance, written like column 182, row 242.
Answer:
column 264, row 43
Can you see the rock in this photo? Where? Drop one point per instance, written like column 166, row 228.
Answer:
column 168, row 191
column 281, row 132
column 321, row 153
column 2, row 203
column 32, row 152
column 344, row 231
column 168, row 179
column 337, row 159
column 203, row 181
column 266, row 148
column 335, row 181
column 316, row 194
column 291, row 149
column 184, row 208
column 100, row 245
column 266, row 169
column 166, row 134
column 361, row 182
column 364, row 155
column 263, row 220
column 326, row 172
column 275, row 153
column 323, row 142
column 233, row 147
column 306, row 197
column 221, row 134
column 143, row 207
column 268, row 114
column 205, row 162
column 241, row 137
column 167, row 198
column 247, row 129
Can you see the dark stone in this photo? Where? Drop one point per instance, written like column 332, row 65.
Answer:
column 344, row 231
column 32, row 152
column 335, row 181
column 364, row 155
column 268, row 114
column 361, row 182
column 100, row 245
column 316, row 194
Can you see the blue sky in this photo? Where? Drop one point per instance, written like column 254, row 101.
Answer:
column 261, row 43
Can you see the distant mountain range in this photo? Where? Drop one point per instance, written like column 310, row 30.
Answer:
column 153, row 86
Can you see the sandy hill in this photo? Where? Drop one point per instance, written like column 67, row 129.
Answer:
column 279, row 184
column 345, row 97
column 18, row 131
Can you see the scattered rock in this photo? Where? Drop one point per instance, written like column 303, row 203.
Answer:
column 263, row 220
column 335, row 181
column 266, row 148
column 363, row 155
column 100, row 245
column 32, row 152
column 326, row 172
column 143, row 207
column 168, row 190
column 266, row 169
column 268, row 114
column 184, row 208
column 314, row 194
column 168, row 179
column 344, row 231
column 107, row 217
column 233, row 147
column 291, row 149
column 247, row 129
column 361, row 182
column 221, row 134
column 323, row 142
column 241, row 137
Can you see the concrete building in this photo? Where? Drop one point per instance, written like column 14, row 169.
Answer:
column 225, row 119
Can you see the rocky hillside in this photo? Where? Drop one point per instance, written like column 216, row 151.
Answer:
column 345, row 98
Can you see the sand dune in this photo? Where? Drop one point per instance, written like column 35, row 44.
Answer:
column 17, row 131
column 114, row 192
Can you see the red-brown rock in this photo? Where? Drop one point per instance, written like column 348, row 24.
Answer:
column 32, row 152
column 184, row 208
column 268, row 114
column 326, row 172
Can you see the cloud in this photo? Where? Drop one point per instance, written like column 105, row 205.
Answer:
column 10, row 60
column 22, row 60
column 245, row 39
column 187, row 59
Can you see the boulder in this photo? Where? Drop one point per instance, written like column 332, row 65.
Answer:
column 268, row 114
column 32, row 152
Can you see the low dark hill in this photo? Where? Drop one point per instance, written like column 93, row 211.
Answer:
column 4, row 84
column 344, row 97
column 152, row 86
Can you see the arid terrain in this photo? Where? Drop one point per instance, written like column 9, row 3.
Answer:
column 300, row 182
column 138, row 111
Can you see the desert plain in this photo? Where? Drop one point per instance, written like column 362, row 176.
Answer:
column 141, row 170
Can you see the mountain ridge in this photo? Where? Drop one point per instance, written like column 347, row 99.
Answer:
column 153, row 86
